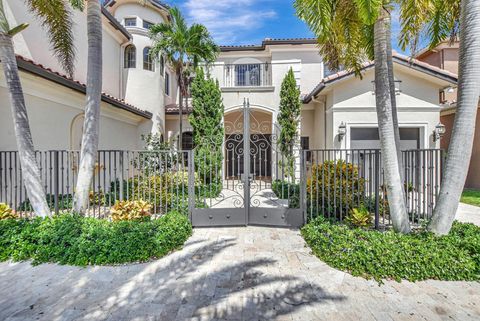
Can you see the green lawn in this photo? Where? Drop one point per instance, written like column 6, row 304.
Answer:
column 471, row 196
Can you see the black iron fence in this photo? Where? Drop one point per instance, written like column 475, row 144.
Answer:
column 329, row 182
column 159, row 177
column 338, row 181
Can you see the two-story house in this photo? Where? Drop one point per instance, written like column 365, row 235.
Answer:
column 135, row 88
column 338, row 109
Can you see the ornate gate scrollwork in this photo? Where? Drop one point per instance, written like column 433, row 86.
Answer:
column 255, row 186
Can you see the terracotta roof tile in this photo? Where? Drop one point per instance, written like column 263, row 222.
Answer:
column 172, row 109
column 55, row 75
column 370, row 64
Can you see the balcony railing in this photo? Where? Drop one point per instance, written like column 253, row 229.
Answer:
column 247, row 75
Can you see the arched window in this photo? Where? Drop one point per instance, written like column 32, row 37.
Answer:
column 162, row 65
column 130, row 56
column 147, row 60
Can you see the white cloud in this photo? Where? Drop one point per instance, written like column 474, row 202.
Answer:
column 228, row 19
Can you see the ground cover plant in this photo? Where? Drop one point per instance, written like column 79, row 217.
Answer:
column 77, row 240
column 389, row 255
column 471, row 196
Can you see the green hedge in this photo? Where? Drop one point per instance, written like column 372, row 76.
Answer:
column 75, row 240
column 390, row 255
column 286, row 190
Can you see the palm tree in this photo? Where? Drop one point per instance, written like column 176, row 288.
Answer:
column 184, row 48
column 350, row 33
column 56, row 16
column 440, row 20
column 88, row 153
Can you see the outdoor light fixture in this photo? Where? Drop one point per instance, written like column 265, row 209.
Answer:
column 438, row 132
column 342, row 130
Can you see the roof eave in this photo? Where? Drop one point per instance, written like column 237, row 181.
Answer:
column 116, row 24
column 69, row 83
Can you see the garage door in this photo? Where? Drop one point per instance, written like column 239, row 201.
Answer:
column 368, row 138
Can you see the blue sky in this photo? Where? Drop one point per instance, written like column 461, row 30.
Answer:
column 240, row 22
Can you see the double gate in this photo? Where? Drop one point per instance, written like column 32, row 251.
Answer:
column 254, row 182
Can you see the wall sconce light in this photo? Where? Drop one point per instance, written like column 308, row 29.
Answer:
column 438, row 132
column 450, row 89
column 342, row 130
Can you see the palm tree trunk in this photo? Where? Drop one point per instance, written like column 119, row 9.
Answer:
column 180, row 117
column 393, row 181
column 460, row 148
column 393, row 94
column 92, row 110
column 26, row 151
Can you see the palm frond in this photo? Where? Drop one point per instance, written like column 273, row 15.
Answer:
column 78, row 4
column 4, row 25
column 434, row 20
column 183, row 47
column 56, row 17
column 368, row 10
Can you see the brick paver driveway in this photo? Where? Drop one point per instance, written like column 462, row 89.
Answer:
column 249, row 273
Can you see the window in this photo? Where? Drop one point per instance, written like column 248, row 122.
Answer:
column 187, row 141
column 247, row 75
column 147, row 24
column 305, row 145
column 162, row 65
column 147, row 60
column 130, row 56
column 167, row 84
column 130, row 22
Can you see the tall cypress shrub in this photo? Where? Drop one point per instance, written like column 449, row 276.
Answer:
column 288, row 119
column 208, row 131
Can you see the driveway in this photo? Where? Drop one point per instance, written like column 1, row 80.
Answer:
column 252, row 273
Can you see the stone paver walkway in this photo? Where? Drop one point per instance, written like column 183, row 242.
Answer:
column 468, row 213
column 252, row 273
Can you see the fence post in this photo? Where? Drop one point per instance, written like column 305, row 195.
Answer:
column 377, row 188
column 191, row 184
column 121, row 176
column 303, row 185
column 56, row 175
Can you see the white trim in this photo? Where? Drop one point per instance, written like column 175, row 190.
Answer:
column 373, row 109
column 248, row 89
column 255, row 106
column 422, row 125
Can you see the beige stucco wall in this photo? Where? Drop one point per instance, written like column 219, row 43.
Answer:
column 303, row 59
column 33, row 43
column 353, row 102
column 52, row 109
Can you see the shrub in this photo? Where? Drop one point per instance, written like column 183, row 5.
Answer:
column 360, row 217
column 168, row 190
column 287, row 190
column 389, row 255
column 6, row 212
column 130, row 210
column 76, row 240
column 336, row 187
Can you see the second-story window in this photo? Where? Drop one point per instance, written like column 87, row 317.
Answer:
column 147, row 24
column 247, row 75
column 162, row 65
column 167, row 84
column 147, row 60
column 130, row 56
column 130, row 22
